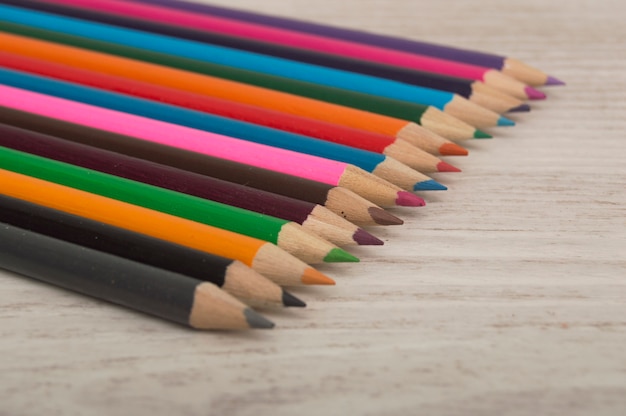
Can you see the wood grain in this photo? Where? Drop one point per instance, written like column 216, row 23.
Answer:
column 505, row 295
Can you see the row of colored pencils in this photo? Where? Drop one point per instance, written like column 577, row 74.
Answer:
column 191, row 161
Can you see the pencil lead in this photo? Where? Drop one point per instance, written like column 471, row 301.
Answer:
column 479, row 134
column 338, row 255
column 446, row 167
column 310, row 276
column 452, row 149
column 256, row 320
column 554, row 81
column 363, row 238
column 407, row 199
column 430, row 185
column 505, row 122
column 534, row 94
column 292, row 301
column 520, row 108
column 382, row 217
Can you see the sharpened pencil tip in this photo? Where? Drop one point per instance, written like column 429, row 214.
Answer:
column 554, row 81
column 479, row 134
column 292, row 301
column 534, row 94
column 382, row 217
column 446, row 167
column 256, row 320
column 338, row 255
column 407, row 199
column 505, row 122
column 310, row 276
column 520, row 108
column 363, row 238
column 452, row 149
column 430, row 185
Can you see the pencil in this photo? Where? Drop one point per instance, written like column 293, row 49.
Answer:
column 398, row 149
column 266, row 258
column 232, row 135
column 263, row 58
column 209, row 79
column 327, row 225
column 287, row 235
column 339, row 200
column 281, row 160
column 232, row 276
column 286, row 37
column 507, row 65
column 171, row 296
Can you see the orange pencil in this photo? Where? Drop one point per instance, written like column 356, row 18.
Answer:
column 229, row 90
column 265, row 258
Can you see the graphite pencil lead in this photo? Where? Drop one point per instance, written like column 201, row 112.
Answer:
column 430, row 185
column 407, row 199
column 310, row 276
column 452, row 149
column 256, row 320
column 292, row 301
column 522, row 108
column 338, row 255
column 505, row 122
column 446, row 167
column 382, row 217
column 366, row 239
column 554, row 81
column 534, row 94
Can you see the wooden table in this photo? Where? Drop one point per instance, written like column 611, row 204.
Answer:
column 505, row 295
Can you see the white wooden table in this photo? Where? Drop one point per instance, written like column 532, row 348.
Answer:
column 505, row 295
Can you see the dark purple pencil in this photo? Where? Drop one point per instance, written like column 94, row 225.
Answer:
column 181, row 181
column 509, row 66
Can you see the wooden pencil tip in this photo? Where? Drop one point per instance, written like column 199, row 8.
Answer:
column 407, row 199
column 338, row 255
column 310, row 276
column 520, row 108
column 256, row 320
column 479, row 134
column 554, row 81
column 534, row 94
column 363, row 238
column 446, row 167
column 382, row 217
column 429, row 185
column 452, row 149
column 505, row 122
column 292, row 301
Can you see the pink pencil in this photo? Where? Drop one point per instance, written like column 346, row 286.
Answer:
column 285, row 161
column 318, row 43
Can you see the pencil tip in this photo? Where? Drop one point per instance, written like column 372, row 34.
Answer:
column 505, row 122
column 382, row 217
column 520, row 108
column 363, row 238
column 554, row 81
column 430, row 185
column 479, row 134
column 338, row 255
column 310, row 276
column 407, row 199
column 256, row 320
column 292, row 301
column 534, row 94
column 452, row 149
column 446, row 167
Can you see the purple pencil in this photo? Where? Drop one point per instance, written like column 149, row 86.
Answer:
column 509, row 66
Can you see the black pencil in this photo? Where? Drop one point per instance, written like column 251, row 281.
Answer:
column 154, row 291
column 232, row 276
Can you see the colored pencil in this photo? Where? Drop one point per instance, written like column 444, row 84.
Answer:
column 266, row 258
column 282, row 160
column 232, row 276
column 340, row 201
column 478, row 94
column 272, row 86
column 171, row 296
column 290, row 38
column 397, row 148
column 507, row 65
column 287, row 235
column 216, row 48
column 311, row 217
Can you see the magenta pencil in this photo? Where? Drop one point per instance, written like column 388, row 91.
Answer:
column 310, row 41
column 267, row 157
